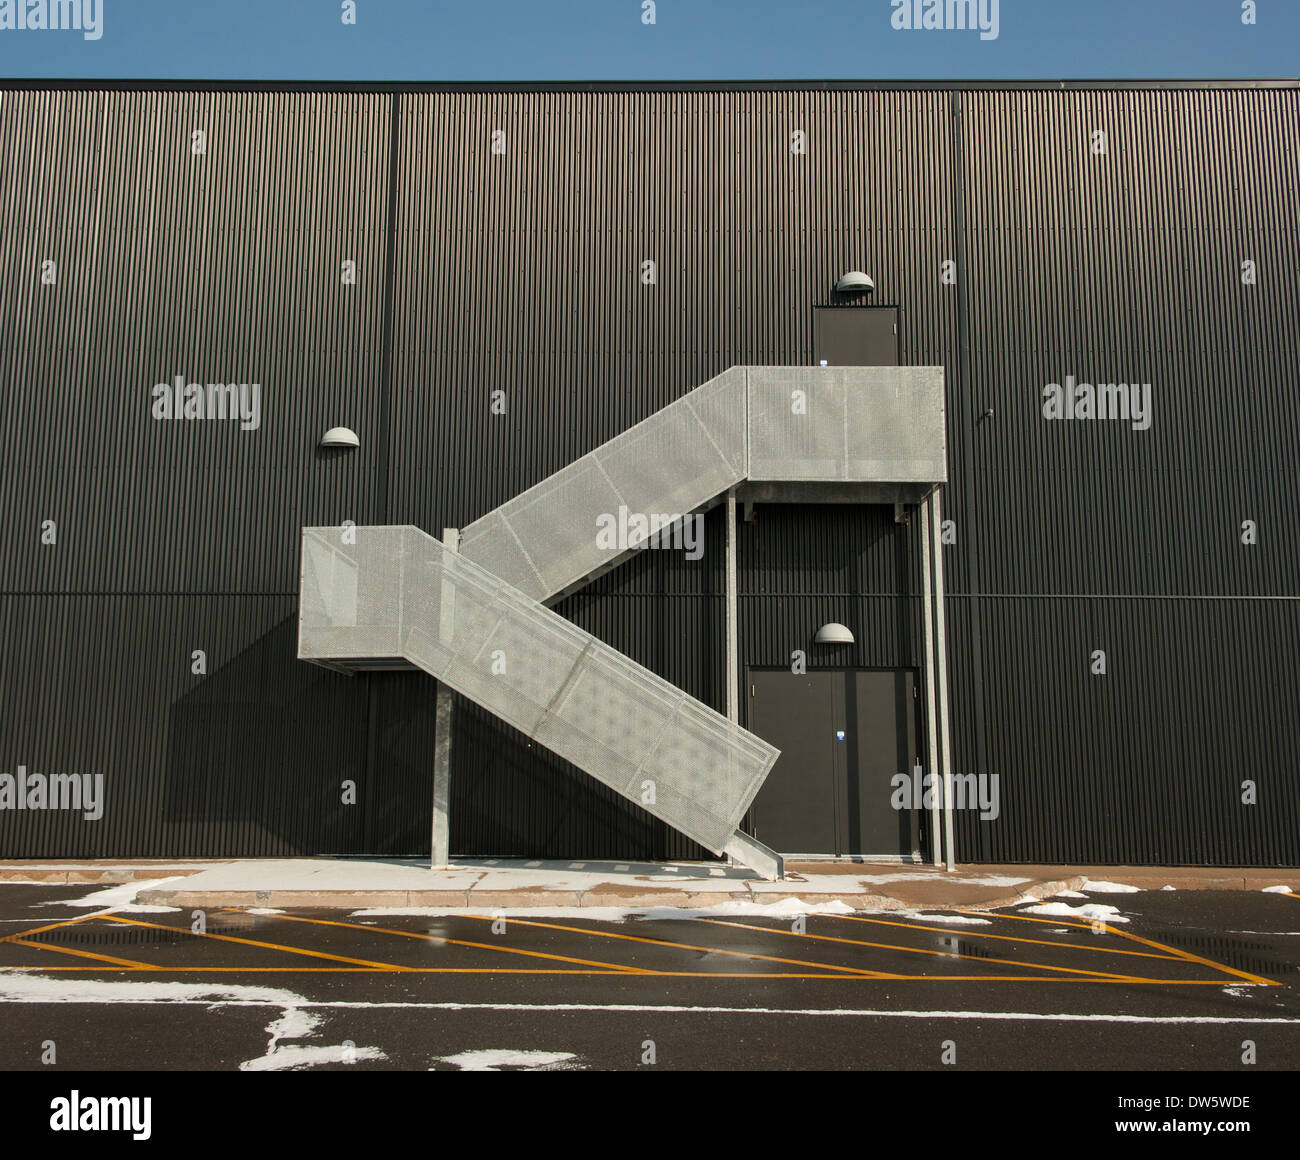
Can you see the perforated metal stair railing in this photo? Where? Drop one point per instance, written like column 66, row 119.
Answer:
column 679, row 459
column 378, row 594
column 800, row 425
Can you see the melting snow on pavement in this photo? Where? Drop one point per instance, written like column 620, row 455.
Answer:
column 1091, row 912
column 786, row 908
column 119, row 897
column 499, row 1058
column 293, row 1022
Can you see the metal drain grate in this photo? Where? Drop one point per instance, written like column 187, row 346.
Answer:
column 1257, row 958
column 117, row 936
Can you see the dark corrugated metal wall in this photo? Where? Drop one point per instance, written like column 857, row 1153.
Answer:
column 176, row 536
column 519, row 271
column 1126, row 266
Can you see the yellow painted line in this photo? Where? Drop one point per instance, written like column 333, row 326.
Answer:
column 618, row 968
column 51, row 926
column 254, row 943
column 1004, row 937
column 22, row 942
column 921, row 951
column 1203, row 961
column 584, row 930
column 693, row 947
column 651, row 974
column 1030, row 918
column 1114, row 928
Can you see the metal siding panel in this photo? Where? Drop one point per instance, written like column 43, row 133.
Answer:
column 518, row 272
column 1130, row 264
column 245, row 761
column 218, row 268
column 1145, row 764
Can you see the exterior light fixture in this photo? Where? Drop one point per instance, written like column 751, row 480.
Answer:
column 855, row 282
column 833, row 634
column 340, row 437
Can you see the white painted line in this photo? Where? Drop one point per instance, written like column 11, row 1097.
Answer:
column 651, row 1008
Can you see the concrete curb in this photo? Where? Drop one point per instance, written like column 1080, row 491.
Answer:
column 1033, row 893
column 37, row 876
column 625, row 898
column 489, row 900
column 478, row 888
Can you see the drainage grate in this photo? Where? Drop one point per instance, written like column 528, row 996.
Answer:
column 952, row 945
column 116, row 936
column 1257, row 958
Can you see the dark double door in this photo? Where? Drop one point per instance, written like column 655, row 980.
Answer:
column 843, row 734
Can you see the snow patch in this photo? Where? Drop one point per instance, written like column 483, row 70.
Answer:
column 1092, row 912
column 1109, row 887
column 1278, row 890
column 120, row 897
column 1071, row 894
column 1168, row 888
column 20, row 987
column 951, row 919
column 786, row 908
column 928, row 875
column 293, row 1024
column 263, row 910
column 289, row 1058
column 495, row 1060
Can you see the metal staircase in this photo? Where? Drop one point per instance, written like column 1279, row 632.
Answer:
column 393, row 597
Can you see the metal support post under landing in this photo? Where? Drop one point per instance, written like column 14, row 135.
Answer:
column 440, row 855
column 941, row 678
column 741, row 850
column 744, row 850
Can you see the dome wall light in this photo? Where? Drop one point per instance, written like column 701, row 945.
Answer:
column 855, row 282
column 833, row 633
column 340, row 437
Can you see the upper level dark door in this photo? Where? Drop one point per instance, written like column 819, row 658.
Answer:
column 855, row 336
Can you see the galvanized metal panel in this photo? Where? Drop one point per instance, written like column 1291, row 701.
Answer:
column 379, row 593
column 852, row 426
column 847, row 425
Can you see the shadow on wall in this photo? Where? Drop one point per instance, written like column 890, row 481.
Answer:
column 261, row 752
column 258, row 754
column 511, row 796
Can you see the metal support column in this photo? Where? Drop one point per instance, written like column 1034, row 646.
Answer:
column 440, row 855
column 941, row 679
column 932, row 763
column 733, row 644
column 742, row 849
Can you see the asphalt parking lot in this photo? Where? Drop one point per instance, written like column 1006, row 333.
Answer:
column 1186, row 983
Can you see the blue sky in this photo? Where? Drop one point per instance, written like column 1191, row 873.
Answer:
column 456, row 40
